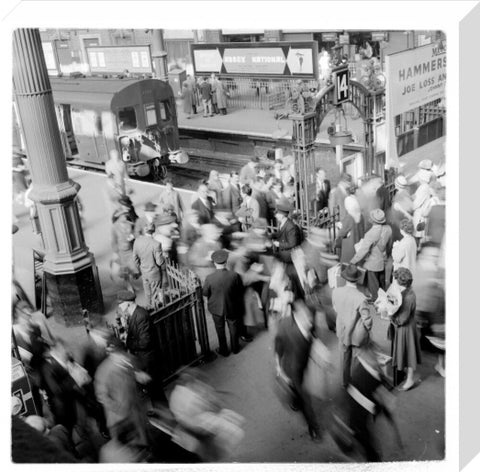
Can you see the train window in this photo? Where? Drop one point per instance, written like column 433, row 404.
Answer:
column 127, row 119
column 165, row 110
column 150, row 114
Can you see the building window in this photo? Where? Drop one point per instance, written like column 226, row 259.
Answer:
column 127, row 119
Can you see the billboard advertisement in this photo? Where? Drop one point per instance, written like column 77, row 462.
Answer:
column 117, row 59
column 279, row 59
column 415, row 77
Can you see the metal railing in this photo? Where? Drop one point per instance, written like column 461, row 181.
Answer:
column 263, row 94
column 180, row 326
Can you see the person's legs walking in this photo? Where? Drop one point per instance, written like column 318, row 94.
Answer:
column 234, row 335
column 219, row 322
column 347, row 364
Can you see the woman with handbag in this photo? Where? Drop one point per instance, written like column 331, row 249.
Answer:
column 374, row 250
column 403, row 330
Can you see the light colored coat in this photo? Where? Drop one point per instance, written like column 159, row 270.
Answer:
column 373, row 248
column 404, row 254
column 347, row 301
column 147, row 255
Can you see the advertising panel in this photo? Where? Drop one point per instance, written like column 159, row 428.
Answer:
column 414, row 77
column 117, row 59
column 277, row 59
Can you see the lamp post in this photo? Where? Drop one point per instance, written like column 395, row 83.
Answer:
column 159, row 55
column 69, row 267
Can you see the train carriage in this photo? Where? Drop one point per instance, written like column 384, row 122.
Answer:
column 137, row 117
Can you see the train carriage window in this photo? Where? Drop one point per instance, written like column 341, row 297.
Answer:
column 127, row 119
column 165, row 110
column 150, row 114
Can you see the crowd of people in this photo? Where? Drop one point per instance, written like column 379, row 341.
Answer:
column 259, row 270
column 210, row 93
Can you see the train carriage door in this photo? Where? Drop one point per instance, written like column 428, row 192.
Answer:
column 89, row 135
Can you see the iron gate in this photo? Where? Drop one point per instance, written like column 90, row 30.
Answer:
column 180, row 325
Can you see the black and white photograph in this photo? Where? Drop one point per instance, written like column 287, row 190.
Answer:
column 228, row 244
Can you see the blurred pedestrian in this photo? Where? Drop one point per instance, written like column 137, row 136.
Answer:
column 422, row 201
column 166, row 233
column 205, row 427
column 122, row 245
column 186, row 94
column 339, row 193
column 406, row 352
column 116, row 389
column 225, row 291
column 353, row 318
column 249, row 210
column 199, row 256
column 192, row 85
column 352, row 230
column 373, row 251
column 150, row 216
column 292, row 350
column 215, row 187
column 401, row 208
column 248, row 172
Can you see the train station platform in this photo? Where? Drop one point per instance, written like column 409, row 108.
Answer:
column 272, row 433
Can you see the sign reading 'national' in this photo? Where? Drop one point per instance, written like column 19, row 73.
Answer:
column 254, row 59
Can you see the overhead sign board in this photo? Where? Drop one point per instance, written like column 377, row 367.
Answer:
column 275, row 59
column 414, row 77
column 117, row 59
column 329, row 37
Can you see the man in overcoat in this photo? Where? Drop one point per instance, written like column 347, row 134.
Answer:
column 352, row 308
column 225, row 291
column 149, row 260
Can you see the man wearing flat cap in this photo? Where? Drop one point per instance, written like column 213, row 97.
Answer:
column 148, row 257
column 351, row 307
column 374, row 250
column 224, row 291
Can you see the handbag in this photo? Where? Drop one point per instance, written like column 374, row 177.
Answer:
column 360, row 333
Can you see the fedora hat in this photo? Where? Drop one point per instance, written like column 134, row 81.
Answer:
column 149, row 206
column 351, row 273
column 401, row 182
column 166, row 220
column 377, row 216
column 125, row 296
column 425, row 164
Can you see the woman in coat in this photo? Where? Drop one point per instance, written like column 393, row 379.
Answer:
column 352, row 230
column 405, row 343
column 404, row 252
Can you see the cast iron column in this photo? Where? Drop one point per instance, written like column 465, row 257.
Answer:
column 72, row 279
column 159, row 55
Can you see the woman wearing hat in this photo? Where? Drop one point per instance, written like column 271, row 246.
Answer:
column 352, row 230
column 374, row 250
column 405, row 343
column 404, row 252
